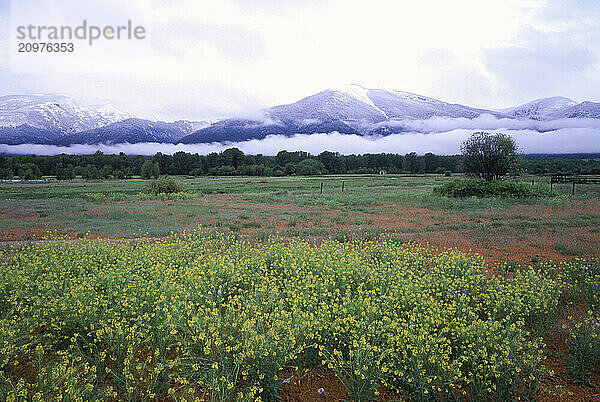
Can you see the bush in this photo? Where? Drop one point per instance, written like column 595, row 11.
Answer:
column 584, row 350
column 495, row 188
column 164, row 185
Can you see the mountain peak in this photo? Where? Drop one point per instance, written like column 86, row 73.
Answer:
column 359, row 93
column 349, row 88
column 540, row 109
column 112, row 112
column 56, row 112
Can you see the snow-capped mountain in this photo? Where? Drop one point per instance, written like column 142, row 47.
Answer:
column 540, row 109
column 590, row 110
column 57, row 119
column 55, row 113
column 132, row 131
column 188, row 126
column 354, row 103
column 350, row 109
column 232, row 130
column 351, row 104
column 112, row 113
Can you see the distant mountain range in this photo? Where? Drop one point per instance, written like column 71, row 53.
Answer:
column 59, row 120
column 132, row 131
column 55, row 113
column 352, row 109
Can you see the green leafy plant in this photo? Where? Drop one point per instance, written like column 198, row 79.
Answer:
column 495, row 188
column 584, row 350
column 164, row 185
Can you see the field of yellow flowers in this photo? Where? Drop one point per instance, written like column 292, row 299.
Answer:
column 210, row 316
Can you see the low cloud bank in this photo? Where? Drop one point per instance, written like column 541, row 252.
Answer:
column 487, row 122
column 563, row 140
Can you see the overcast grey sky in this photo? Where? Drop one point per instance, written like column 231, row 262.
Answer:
column 207, row 59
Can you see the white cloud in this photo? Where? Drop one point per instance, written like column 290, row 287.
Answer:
column 488, row 122
column 563, row 140
column 205, row 59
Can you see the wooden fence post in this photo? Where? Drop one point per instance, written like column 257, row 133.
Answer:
column 321, row 187
column 342, row 186
column 573, row 191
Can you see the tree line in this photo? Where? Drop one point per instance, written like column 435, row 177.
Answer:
column 233, row 162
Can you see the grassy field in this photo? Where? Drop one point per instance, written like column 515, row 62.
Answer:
column 402, row 206
column 247, row 288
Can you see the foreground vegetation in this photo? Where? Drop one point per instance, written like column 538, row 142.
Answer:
column 524, row 229
column 211, row 316
column 496, row 188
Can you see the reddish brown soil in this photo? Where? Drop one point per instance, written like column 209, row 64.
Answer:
column 23, row 234
column 306, row 387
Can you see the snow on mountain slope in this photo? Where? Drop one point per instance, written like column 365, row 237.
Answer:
column 350, row 109
column 25, row 134
column 232, row 130
column 590, row 110
column 55, row 113
column 112, row 113
column 406, row 105
column 354, row 103
column 328, row 105
column 359, row 93
column 540, row 109
column 45, row 119
column 188, row 127
column 130, row 131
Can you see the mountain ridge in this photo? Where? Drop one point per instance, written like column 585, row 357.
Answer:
column 348, row 109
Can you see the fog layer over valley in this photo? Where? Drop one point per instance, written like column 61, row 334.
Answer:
column 564, row 140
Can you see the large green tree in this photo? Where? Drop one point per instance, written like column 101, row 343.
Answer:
column 147, row 169
column 490, row 156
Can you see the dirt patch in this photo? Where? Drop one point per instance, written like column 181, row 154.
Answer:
column 23, row 234
column 313, row 387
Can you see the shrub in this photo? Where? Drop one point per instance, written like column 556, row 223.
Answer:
column 584, row 350
column 164, row 185
column 585, row 275
column 494, row 188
